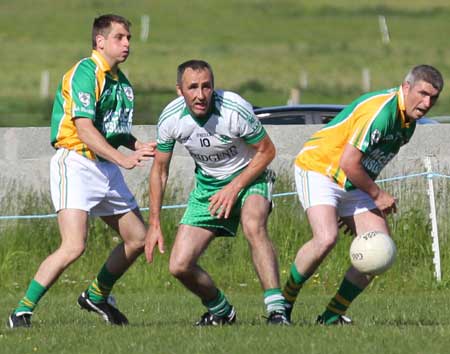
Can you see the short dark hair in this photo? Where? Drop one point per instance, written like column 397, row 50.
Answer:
column 102, row 25
column 193, row 64
column 425, row 73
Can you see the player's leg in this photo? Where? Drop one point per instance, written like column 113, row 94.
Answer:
column 190, row 243
column 354, row 282
column 118, row 208
column 254, row 215
column 131, row 228
column 318, row 195
column 73, row 229
column 323, row 222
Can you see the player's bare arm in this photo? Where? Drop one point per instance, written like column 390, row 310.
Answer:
column 98, row 144
column 352, row 166
column 222, row 202
column 159, row 174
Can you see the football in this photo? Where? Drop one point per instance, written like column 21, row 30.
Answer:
column 373, row 252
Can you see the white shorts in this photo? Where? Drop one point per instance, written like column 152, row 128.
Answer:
column 99, row 188
column 316, row 189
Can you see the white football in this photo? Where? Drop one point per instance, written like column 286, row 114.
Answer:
column 373, row 252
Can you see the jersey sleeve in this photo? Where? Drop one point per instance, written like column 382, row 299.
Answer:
column 165, row 142
column 82, row 90
column 250, row 127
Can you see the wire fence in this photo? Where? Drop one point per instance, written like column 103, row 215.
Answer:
column 428, row 175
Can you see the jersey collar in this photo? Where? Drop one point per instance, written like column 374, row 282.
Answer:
column 202, row 121
column 102, row 63
column 401, row 108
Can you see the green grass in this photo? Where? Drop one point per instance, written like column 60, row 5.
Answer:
column 25, row 243
column 402, row 311
column 161, row 322
column 257, row 48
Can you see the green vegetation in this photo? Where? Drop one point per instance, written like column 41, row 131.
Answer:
column 257, row 48
column 26, row 242
column 403, row 311
column 162, row 323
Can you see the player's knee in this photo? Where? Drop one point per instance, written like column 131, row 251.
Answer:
column 73, row 252
column 136, row 245
column 325, row 244
column 254, row 230
column 178, row 268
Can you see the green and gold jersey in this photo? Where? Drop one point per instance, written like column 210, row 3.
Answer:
column 375, row 124
column 89, row 90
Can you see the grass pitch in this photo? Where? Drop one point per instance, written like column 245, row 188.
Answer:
column 403, row 311
column 161, row 322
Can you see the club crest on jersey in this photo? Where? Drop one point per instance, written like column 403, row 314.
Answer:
column 84, row 98
column 375, row 137
column 129, row 93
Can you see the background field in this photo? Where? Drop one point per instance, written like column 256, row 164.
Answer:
column 259, row 48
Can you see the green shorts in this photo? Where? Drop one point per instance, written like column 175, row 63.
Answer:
column 197, row 213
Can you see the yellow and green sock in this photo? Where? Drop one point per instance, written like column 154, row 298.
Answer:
column 341, row 301
column 293, row 285
column 32, row 296
column 101, row 287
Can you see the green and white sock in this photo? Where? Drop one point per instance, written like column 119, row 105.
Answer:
column 218, row 306
column 274, row 300
column 34, row 293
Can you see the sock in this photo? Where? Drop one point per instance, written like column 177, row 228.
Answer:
column 218, row 306
column 341, row 301
column 274, row 300
column 293, row 285
column 34, row 293
column 100, row 288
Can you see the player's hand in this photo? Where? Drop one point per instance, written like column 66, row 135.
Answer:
column 154, row 237
column 150, row 147
column 386, row 203
column 137, row 158
column 221, row 203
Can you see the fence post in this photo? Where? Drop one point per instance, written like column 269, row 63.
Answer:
column 294, row 98
column 384, row 30
column 366, row 80
column 45, row 84
column 303, row 80
column 145, row 27
column 434, row 227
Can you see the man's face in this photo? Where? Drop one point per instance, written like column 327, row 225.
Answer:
column 197, row 89
column 115, row 46
column 419, row 98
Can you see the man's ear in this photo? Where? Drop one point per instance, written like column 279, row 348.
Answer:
column 179, row 91
column 100, row 40
column 405, row 87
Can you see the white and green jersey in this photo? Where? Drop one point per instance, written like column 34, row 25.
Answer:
column 219, row 143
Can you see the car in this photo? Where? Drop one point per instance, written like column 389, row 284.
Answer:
column 441, row 119
column 300, row 114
